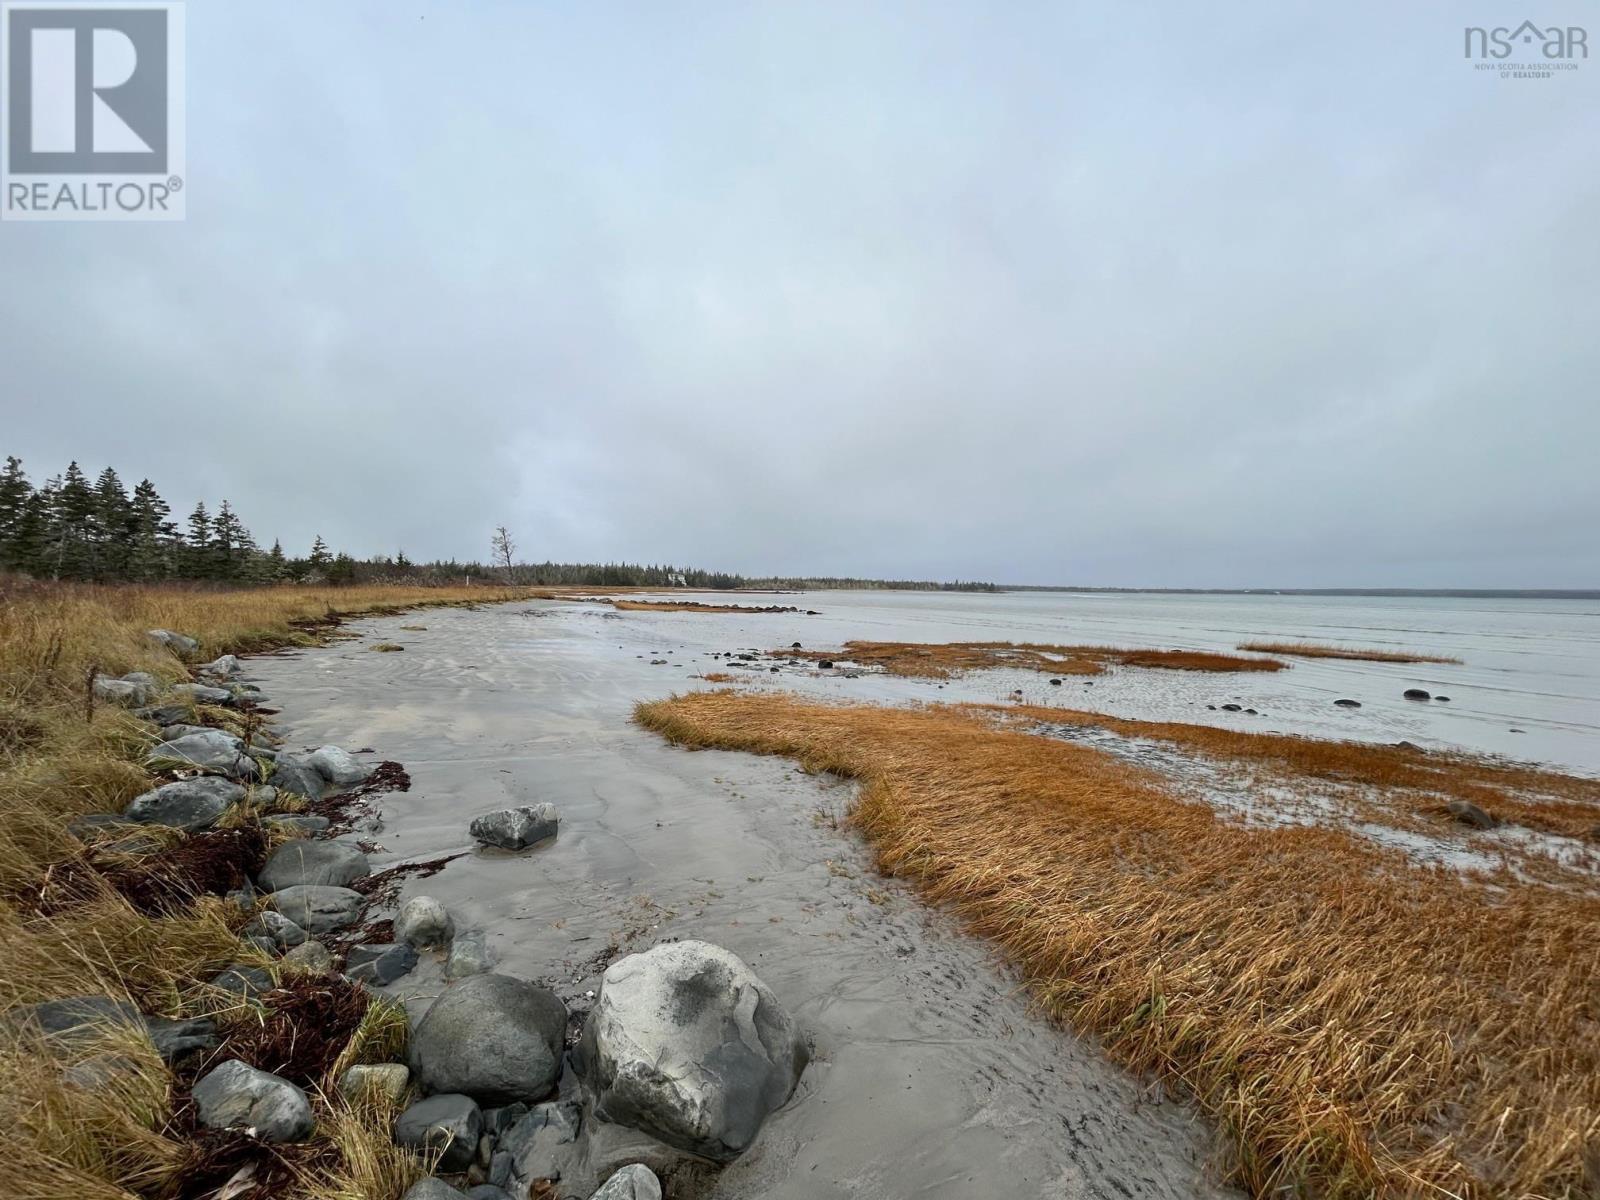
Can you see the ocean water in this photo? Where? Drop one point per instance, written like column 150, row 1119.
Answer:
column 1528, row 685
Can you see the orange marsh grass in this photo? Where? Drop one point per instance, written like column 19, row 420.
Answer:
column 941, row 660
column 1314, row 650
column 1355, row 1024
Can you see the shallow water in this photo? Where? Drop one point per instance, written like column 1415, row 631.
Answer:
column 931, row 1078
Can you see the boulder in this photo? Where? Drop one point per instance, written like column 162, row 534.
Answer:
column 688, row 1045
column 491, row 1037
column 338, row 767
column 311, row 956
column 123, row 691
column 276, row 928
column 323, row 864
column 1416, row 694
column 447, row 1122
column 1348, row 703
column 387, row 1080
column 319, row 909
column 211, row 750
column 633, row 1182
column 538, row 1140
column 188, row 804
column 293, row 773
column 1468, row 813
column 379, row 965
column 424, row 922
column 225, row 667
column 243, row 980
column 516, row 828
column 176, row 642
column 469, row 955
column 74, row 1020
column 299, row 824
column 429, row 1188
column 202, row 693
column 237, row 1096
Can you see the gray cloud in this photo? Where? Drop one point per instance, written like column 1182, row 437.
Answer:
column 1287, row 295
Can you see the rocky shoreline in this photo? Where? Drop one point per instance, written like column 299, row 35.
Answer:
column 501, row 1089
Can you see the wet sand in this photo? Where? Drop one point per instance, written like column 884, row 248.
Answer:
column 931, row 1078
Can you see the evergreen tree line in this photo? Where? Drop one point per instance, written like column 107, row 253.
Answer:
column 70, row 528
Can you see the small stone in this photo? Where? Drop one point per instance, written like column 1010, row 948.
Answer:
column 276, row 928
column 1348, row 703
column 318, row 909
column 175, row 1040
column 1468, row 813
column 166, row 714
column 189, row 804
column 516, row 828
column 129, row 692
column 386, row 1080
column 312, row 956
column 633, row 1182
column 1441, row 699
column 237, row 1096
column 314, row 863
column 449, row 1121
column 535, row 1142
column 337, row 766
column 203, row 694
column 212, row 751
column 243, row 980
column 177, row 642
column 380, row 965
column 299, row 824
column 225, row 667
column 1232, row 708
column 1416, row 694
column 469, row 955
column 293, row 773
column 423, row 922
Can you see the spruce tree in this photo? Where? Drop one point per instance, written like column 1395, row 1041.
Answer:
column 198, row 562
column 15, row 493
column 152, row 537
column 112, row 535
column 72, row 524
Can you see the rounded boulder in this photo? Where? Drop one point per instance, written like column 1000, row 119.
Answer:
column 491, row 1037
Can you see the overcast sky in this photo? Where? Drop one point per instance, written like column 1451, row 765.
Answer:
column 1285, row 294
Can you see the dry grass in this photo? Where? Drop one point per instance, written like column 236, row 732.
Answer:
column 1314, row 650
column 1356, row 1025
column 76, row 919
column 941, row 660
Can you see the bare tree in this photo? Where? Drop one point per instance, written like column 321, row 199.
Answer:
column 501, row 549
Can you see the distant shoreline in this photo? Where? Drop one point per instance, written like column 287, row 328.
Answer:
column 1459, row 593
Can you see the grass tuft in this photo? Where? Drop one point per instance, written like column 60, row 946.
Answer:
column 1315, row 650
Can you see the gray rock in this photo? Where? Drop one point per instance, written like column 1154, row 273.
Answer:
column 323, row 864
column 1416, row 694
column 90, row 826
column 188, row 804
column 449, row 1121
column 688, row 1045
column 424, row 922
column 292, row 773
column 202, row 693
column 319, row 909
column 491, row 1037
column 386, row 1080
column 488, row 1191
column 338, row 766
column 166, row 714
column 497, row 1121
column 123, row 691
column 536, row 1142
column 633, row 1182
column 312, row 956
column 237, row 1096
column 100, row 1071
column 176, row 642
column 264, row 795
column 516, row 828
column 469, row 955
column 1468, row 813
column 379, row 965
column 243, row 980
column 212, row 751
column 1348, row 703
column 276, row 928
column 300, row 824
column 429, row 1188
column 500, row 1169
column 175, row 1040
column 266, row 753
column 75, row 1020
column 225, row 667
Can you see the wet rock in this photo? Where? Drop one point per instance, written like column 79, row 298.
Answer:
column 379, row 965
column 276, row 928
column 243, row 980
column 1348, row 703
column 1055, row 683
column 312, row 956
column 321, row 864
column 189, row 804
column 496, row 1121
column 129, row 692
column 429, row 1188
column 225, row 667
column 536, row 1142
column 386, row 1080
column 165, row 714
column 491, row 1037
column 1468, row 813
column 1232, row 708
column 687, row 1044
column 338, row 767
column 447, row 1121
column 202, row 693
column 237, row 1096
column 1441, row 699
column 1416, row 694
column 300, row 824
column 500, row 1169
column 516, row 828
column 293, row 773
column 318, row 909
column 469, row 955
column 633, row 1182
column 177, row 642
column 211, row 750
column 423, row 922
column 175, row 1040
column 826, row 663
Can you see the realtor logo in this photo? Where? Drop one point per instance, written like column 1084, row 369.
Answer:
column 1541, row 53
column 93, row 126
